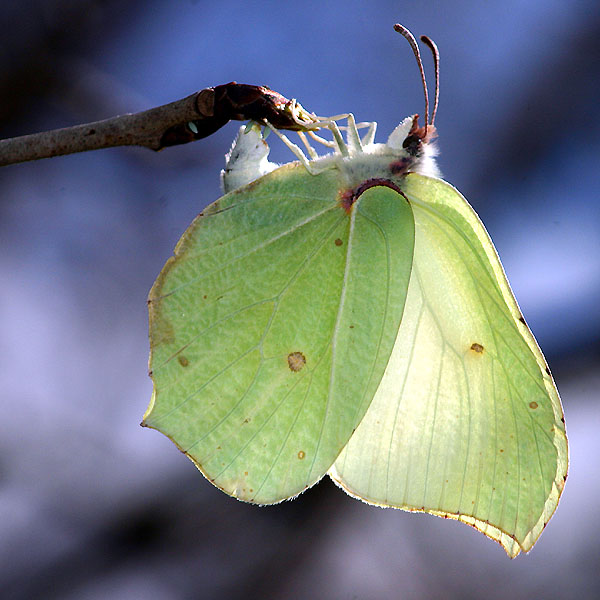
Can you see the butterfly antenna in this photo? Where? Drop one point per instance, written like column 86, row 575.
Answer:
column 410, row 38
column 436, row 65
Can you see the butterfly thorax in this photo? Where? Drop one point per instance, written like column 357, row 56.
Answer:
column 409, row 149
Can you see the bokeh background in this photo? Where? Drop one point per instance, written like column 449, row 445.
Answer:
column 93, row 506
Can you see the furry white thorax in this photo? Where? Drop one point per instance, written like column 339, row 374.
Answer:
column 248, row 158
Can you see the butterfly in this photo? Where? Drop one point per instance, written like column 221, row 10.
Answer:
column 347, row 314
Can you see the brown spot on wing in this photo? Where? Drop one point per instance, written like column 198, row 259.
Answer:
column 296, row 361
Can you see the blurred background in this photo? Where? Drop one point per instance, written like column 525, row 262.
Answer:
column 93, row 506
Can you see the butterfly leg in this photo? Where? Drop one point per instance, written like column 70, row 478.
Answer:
column 369, row 137
column 297, row 151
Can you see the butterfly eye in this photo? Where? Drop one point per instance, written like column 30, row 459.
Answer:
column 413, row 144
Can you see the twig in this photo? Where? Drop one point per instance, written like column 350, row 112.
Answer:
column 192, row 118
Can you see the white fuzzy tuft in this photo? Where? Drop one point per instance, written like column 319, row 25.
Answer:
column 247, row 160
column 397, row 137
column 426, row 164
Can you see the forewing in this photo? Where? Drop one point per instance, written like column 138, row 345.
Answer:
column 271, row 328
column 467, row 422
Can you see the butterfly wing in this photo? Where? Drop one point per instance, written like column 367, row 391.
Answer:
column 467, row 422
column 271, row 327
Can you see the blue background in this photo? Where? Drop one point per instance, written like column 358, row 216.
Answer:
column 93, row 506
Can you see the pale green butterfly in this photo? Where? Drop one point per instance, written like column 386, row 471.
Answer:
column 349, row 315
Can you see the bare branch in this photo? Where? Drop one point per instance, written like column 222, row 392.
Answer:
column 192, row 118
